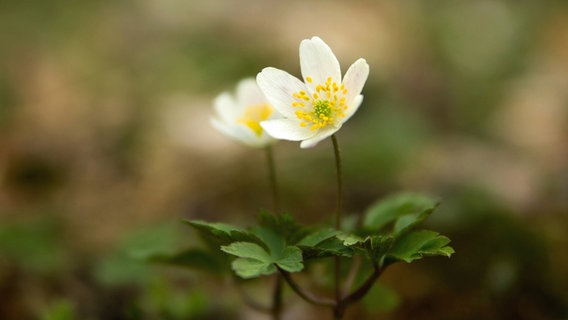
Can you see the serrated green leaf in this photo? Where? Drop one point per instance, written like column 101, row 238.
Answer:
column 193, row 259
column 378, row 246
column 254, row 261
column 318, row 236
column 252, row 268
column 436, row 243
column 247, row 250
column 350, row 239
column 219, row 231
column 214, row 227
column 373, row 246
column 332, row 247
column 285, row 225
column 446, row 251
column 404, row 210
column 407, row 221
column 223, row 234
column 273, row 241
column 291, row 259
column 417, row 244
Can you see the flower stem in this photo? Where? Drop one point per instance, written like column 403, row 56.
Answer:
column 358, row 294
column 339, row 182
column 364, row 288
column 276, row 308
column 306, row 295
column 272, row 178
column 338, row 295
column 350, row 278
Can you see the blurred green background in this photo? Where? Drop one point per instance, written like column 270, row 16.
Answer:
column 105, row 145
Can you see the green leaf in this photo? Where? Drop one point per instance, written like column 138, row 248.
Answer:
column 417, row 244
column 272, row 241
column 377, row 246
column 247, row 250
column 373, row 246
column 436, row 243
column 213, row 227
column 318, row 236
column 192, row 258
column 403, row 210
column 254, row 261
column 350, row 239
column 219, row 231
column 251, row 268
column 332, row 247
column 291, row 259
column 284, row 225
column 408, row 221
column 222, row 233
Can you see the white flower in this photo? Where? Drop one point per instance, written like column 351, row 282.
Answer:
column 239, row 117
column 316, row 108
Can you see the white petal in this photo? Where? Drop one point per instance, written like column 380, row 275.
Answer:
column 286, row 129
column 226, row 108
column 242, row 134
column 274, row 115
column 248, row 93
column 225, row 128
column 249, row 138
column 355, row 79
column 353, row 106
column 322, row 134
column 278, row 87
column 318, row 61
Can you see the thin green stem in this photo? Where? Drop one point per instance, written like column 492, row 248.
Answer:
column 358, row 294
column 339, row 182
column 306, row 295
column 350, row 278
column 337, row 280
column 276, row 308
column 272, row 178
column 364, row 288
column 338, row 293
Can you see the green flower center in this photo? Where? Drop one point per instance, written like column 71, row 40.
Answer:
column 322, row 109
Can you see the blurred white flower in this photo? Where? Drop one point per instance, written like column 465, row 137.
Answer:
column 316, row 108
column 239, row 116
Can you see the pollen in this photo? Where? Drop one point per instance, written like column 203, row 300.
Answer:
column 322, row 106
column 253, row 115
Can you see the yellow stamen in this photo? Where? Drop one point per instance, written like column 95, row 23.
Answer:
column 319, row 109
column 253, row 115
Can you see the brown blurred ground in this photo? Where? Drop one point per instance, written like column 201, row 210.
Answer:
column 104, row 138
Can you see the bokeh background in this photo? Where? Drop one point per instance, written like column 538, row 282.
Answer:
column 105, row 146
